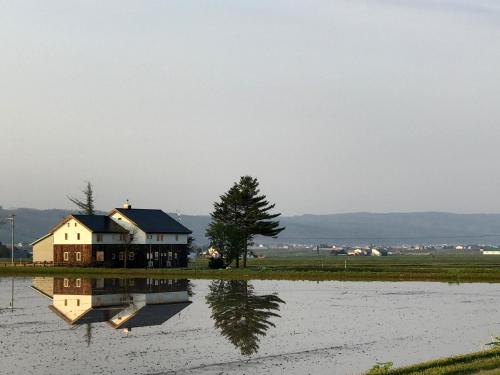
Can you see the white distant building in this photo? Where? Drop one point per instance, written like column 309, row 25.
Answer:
column 491, row 252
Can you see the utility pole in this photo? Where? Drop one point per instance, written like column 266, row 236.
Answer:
column 13, row 219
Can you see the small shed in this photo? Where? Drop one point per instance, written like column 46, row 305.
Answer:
column 43, row 249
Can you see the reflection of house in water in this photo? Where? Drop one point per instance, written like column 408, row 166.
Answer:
column 123, row 303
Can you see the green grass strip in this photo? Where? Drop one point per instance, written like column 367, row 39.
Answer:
column 471, row 363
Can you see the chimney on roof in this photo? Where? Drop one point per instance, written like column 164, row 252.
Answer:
column 127, row 205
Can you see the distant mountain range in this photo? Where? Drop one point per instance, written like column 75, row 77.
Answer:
column 340, row 229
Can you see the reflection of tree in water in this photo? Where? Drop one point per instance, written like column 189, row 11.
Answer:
column 241, row 315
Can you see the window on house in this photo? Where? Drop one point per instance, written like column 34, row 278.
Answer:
column 175, row 256
column 157, row 237
column 177, row 237
column 75, row 224
column 66, row 283
column 65, row 302
column 121, row 255
column 68, row 224
column 66, row 236
column 78, row 283
column 99, row 237
column 99, row 256
column 66, row 255
column 131, row 255
column 78, row 256
column 78, row 236
column 169, row 255
column 113, row 256
column 78, row 302
column 150, row 236
column 156, row 255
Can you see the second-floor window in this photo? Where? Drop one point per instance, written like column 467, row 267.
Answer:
column 66, row 236
column 159, row 237
column 99, row 237
column 78, row 236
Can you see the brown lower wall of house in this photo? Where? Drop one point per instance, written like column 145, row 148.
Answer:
column 138, row 256
column 72, row 285
column 72, row 250
column 103, row 286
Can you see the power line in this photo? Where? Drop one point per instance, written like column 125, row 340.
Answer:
column 390, row 238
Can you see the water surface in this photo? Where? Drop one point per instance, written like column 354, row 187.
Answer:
column 145, row 326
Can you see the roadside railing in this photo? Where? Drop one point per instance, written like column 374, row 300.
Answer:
column 28, row 263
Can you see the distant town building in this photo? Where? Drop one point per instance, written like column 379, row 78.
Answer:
column 490, row 251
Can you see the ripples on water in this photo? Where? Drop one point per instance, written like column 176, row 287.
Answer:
column 150, row 326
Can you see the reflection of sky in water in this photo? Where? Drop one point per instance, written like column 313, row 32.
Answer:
column 320, row 327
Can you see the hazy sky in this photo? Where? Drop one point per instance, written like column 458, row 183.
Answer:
column 336, row 106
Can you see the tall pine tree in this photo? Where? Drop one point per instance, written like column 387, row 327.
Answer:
column 243, row 207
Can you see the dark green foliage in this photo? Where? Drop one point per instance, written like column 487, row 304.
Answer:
column 5, row 252
column 86, row 205
column 462, row 364
column 216, row 263
column 246, row 213
column 242, row 316
column 227, row 239
column 380, row 369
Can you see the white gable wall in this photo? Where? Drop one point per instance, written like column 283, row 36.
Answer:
column 72, row 228
column 139, row 235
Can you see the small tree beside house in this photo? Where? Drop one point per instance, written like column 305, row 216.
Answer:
column 85, row 205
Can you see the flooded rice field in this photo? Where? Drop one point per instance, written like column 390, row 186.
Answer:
column 144, row 326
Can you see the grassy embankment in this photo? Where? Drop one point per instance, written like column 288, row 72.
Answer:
column 448, row 268
column 483, row 362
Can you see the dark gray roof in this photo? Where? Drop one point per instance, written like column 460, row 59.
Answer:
column 153, row 221
column 97, row 315
column 152, row 315
column 99, row 224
